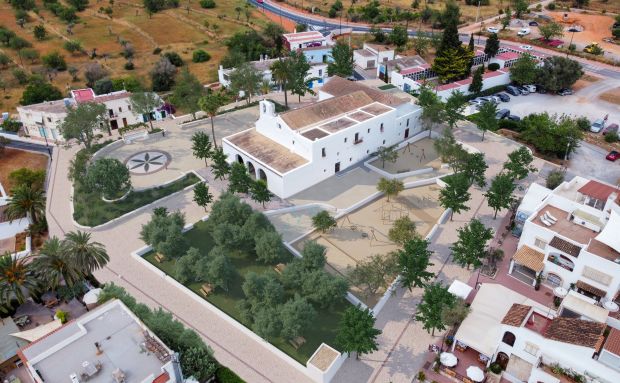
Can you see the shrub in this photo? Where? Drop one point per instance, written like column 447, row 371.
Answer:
column 510, row 125
column 62, row 315
column 493, row 67
column 495, row 368
column 225, row 375
column 174, row 58
column 583, row 124
column 207, row 3
column 55, row 61
column 157, row 51
column 200, row 56
column 554, row 179
column 611, row 137
column 28, row 177
column 10, row 125
column 18, row 43
column 551, row 6
column 129, row 65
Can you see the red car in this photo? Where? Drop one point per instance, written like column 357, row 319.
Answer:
column 613, row 155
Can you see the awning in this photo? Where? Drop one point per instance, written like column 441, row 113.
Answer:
column 38, row 332
column 530, row 258
column 609, row 235
column 591, row 289
column 519, row 368
column 460, row 289
column 575, row 303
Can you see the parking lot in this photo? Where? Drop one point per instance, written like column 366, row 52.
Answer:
column 588, row 160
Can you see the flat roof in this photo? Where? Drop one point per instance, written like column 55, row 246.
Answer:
column 303, row 36
column 338, row 86
column 365, row 52
column 8, row 343
column 564, row 226
column 267, row 151
column 122, row 342
column 508, row 56
column 324, row 357
column 315, row 134
column 57, row 106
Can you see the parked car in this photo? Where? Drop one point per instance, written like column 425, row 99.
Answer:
column 541, row 90
column 533, row 23
column 501, row 114
column 492, row 29
column 513, row 90
column 526, row 47
column 613, row 155
column 610, row 128
column 530, row 88
column 495, row 99
column 503, row 96
column 514, row 117
column 597, row 125
column 524, row 32
column 524, row 91
column 565, row 92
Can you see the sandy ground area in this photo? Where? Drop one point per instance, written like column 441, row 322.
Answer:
column 612, row 96
column 585, row 81
column 418, row 155
column 13, row 159
column 595, row 28
column 364, row 232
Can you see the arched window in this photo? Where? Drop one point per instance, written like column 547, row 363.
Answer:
column 554, row 280
column 509, row 338
column 239, row 159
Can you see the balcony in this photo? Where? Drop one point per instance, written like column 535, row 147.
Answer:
column 562, row 261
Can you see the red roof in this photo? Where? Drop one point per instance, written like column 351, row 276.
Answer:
column 83, row 95
column 163, row 378
column 613, row 342
column 598, row 190
column 412, row 70
column 446, row 87
column 492, row 74
column 508, row 56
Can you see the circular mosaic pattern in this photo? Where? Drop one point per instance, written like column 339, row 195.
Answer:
column 147, row 162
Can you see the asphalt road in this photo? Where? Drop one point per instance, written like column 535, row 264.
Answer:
column 336, row 23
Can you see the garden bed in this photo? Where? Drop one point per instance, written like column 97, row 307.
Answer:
column 323, row 329
column 14, row 159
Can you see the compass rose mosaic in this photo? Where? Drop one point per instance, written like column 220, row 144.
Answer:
column 147, row 162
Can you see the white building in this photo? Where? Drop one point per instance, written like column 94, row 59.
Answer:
column 527, row 339
column 300, row 40
column 299, row 148
column 107, row 344
column 42, row 120
column 571, row 238
column 371, row 55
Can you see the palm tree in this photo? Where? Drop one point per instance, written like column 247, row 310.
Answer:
column 54, row 264
column 210, row 104
column 281, row 71
column 85, row 256
column 265, row 88
column 15, row 277
column 26, row 201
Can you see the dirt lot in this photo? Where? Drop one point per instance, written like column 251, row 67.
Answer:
column 595, row 28
column 612, row 96
column 611, row 6
column 585, row 81
column 13, row 159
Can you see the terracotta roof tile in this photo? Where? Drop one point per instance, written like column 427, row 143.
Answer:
column 613, row 342
column 575, row 331
column 530, row 258
column 338, row 86
column 516, row 315
column 598, row 190
column 565, row 246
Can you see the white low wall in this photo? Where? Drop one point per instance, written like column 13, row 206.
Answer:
column 9, row 229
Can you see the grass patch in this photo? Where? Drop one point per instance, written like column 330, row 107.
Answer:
column 91, row 210
column 324, row 328
column 387, row 86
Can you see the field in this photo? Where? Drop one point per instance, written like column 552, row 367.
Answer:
column 597, row 5
column 323, row 329
column 595, row 28
column 13, row 159
column 178, row 30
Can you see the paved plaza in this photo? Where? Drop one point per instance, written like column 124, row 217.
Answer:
column 414, row 156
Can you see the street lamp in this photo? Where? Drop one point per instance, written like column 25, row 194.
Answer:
column 571, row 43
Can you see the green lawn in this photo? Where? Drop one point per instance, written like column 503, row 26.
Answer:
column 325, row 325
column 91, row 210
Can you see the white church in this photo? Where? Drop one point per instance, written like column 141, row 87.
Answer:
column 297, row 149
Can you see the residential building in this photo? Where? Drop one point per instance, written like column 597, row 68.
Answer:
column 570, row 239
column 413, row 67
column 299, row 148
column 528, row 339
column 9, row 345
column 299, row 40
column 108, row 344
column 42, row 120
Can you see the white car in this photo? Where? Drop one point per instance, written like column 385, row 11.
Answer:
column 530, row 88
column 524, row 32
column 526, row 47
column 492, row 29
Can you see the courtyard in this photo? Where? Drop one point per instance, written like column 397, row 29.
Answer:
column 364, row 232
column 411, row 157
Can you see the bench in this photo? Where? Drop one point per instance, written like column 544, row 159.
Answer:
column 279, row 268
column 206, row 289
column 159, row 258
column 297, row 342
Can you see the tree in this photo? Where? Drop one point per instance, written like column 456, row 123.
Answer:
column 435, row 300
column 93, row 73
column 507, row 17
column 499, row 196
column 296, row 315
column 73, row 46
column 470, row 248
column 164, row 233
column 452, row 59
column 520, row 7
column 402, row 231
column 185, row 268
column 356, row 332
column 15, row 278
column 374, row 273
column 29, row 54
column 476, row 82
column 474, row 168
column 5, row 60
column 519, row 164
column 551, row 134
column 274, row 34
column 103, row 86
column 247, row 79
column 421, row 43
column 81, row 122
column 210, row 104
column 187, row 92
column 202, row 196
column 87, row 256
column 201, row 146
column 300, row 84
column 198, row 362
column 455, row 195
column 524, row 70
column 53, row 265
column 260, row 193
column 269, row 247
column 200, row 56
column 39, row 32
column 491, row 46
column 38, row 90
column 342, row 60
column 558, row 73
column 453, row 109
column 162, row 75
column 432, row 108
column 281, row 71
column 391, row 188
column 550, row 30
column 398, row 36
column 54, row 61
column 220, row 271
column 413, row 262
column 455, row 314
column 143, row 104
column 239, row 180
column 26, row 201
column 323, row 221
column 387, row 153
column 219, row 165
column 485, row 119
column 25, row 176
column 109, row 176
column 554, row 179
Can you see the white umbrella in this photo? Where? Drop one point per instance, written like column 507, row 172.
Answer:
column 475, row 373
column 448, row 359
column 91, row 297
column 560, row 292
